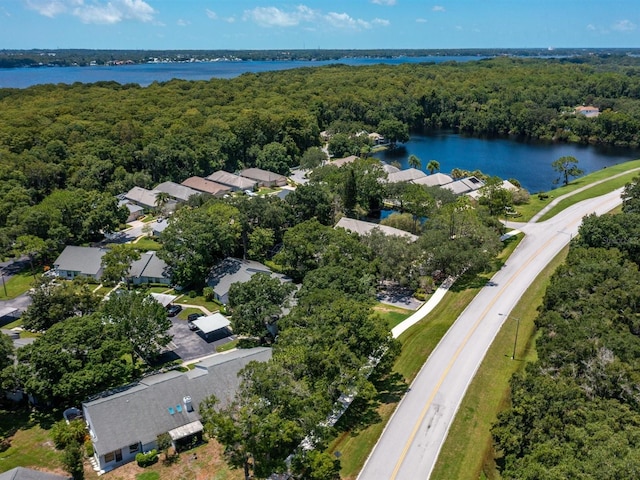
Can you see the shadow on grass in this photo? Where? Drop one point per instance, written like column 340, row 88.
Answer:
column 469, row 281
column 362, row 413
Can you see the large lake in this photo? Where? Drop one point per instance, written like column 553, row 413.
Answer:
column 146, row 73
column 528, row 162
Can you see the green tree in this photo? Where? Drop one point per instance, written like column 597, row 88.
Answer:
column 256, row 304
column 34, row 247
column 433, row 166
column 74, row 359
column 567, row 167
column 350, row 194
column 52, row 302
column 414, row 162
column 261, row 240
column 313, row 157
column 164, row 444
column 631, row 196
column 72, row 461
column 394, row 131
column 274, row 158
column 139, row 320
column 495, row 196
column 117, row 261
column 197, row 238
column 316, row 465
column 162, row 198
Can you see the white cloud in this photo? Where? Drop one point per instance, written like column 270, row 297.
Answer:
column 421, row 20
column 624, row 26
column 591, row 27
column 230, row 19
column 106, row 12
column 384, row 2
column 183, row 23
column 438, row 8
column 211, row 14
column 48, row 8
column 274, row 17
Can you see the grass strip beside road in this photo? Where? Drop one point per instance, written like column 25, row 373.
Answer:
column 467, row 452
column 595, row 191
column 357, row 436
column 536, row 204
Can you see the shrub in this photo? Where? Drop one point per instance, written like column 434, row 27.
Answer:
column 193, row 294
column 146, row 459
column 207, row 292
column 63, row 433
column 88, row 448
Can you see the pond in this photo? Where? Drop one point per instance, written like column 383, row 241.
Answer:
column 527, row 161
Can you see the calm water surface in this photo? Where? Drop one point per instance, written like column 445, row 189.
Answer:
column 147, row 73
column 528, row 162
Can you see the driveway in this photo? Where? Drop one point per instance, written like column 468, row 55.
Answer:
column 187, row 344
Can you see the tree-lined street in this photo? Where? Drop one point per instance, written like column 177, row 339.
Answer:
column 409, row 445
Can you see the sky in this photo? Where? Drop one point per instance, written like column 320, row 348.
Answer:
column 311, row 24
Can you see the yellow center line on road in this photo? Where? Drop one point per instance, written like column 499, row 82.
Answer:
column 414, row 432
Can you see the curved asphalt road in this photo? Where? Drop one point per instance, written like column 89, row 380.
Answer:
column 411, row 441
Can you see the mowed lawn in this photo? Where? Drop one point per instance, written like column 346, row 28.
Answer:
column 29, row 444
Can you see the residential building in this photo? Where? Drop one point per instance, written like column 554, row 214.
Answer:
column 207, row 186
column 143, row 197
column 588, row 111
column 234, row 270
column 149, row 269
column 176, row 191
column 338, row 162
column 408, row 175
column 128, row 420
column 79, row 262
column 135, row 211
column 364, row 228
column 236, row 182
column 434, row 180
column 21, row 473
column 264, row 178
column 464, row 185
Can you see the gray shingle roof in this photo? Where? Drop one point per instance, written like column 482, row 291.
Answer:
column 234, row 181
column 177, row 191
column 464, row 185
column 263, row 176
column 21, row 473
column 235, row 270
column 406, row 175
column 142, row 412
column 86, row 260
column 434, row 180
column 363, row 228
column 149, row 265
column 142, row 196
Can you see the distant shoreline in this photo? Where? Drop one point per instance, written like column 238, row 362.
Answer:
column 38, row 58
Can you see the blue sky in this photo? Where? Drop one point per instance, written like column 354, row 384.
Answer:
column 357, row 24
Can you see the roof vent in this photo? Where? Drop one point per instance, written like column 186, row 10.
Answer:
column 188, row 403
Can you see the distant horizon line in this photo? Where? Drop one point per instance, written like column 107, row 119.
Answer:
column 283, row 50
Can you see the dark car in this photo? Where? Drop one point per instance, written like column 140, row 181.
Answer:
column 173, row 310
column 191, row 317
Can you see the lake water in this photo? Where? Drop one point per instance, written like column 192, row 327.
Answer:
column 147, row 73
column 528, row 162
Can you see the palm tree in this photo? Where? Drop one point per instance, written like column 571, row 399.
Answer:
column 162, row 198
column 414, row 162
column 433, row 166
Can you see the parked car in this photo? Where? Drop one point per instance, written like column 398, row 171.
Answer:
column 191, row 317
column 173, row 310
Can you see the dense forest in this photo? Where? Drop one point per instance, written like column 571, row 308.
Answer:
column 88, row 142
column 575, row 412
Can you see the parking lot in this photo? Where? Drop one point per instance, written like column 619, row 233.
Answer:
column 189, row 344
